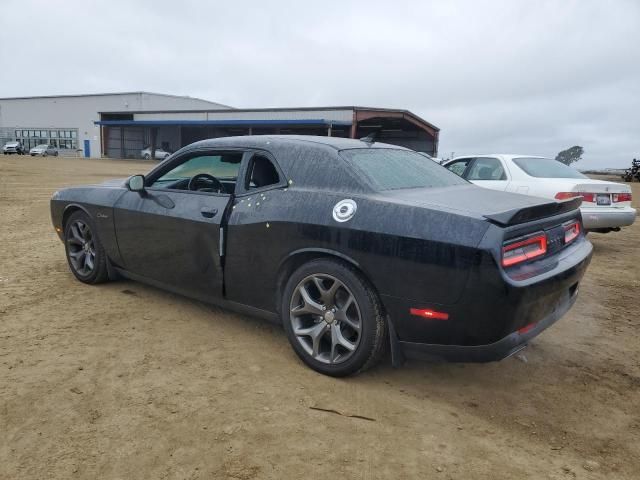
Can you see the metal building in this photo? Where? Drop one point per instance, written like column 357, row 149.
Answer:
column 121, row 125
column 67, row 121
column 124, row 134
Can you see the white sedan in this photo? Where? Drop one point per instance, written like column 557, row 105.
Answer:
column 160, row 154
column 606, row 206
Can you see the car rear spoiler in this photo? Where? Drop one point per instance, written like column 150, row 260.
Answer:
column 528, row 214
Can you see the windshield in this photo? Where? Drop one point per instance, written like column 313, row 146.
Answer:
column 42, row 145
column 391, row 169
column 546, row 168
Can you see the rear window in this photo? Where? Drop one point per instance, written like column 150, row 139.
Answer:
column 546, row 168
column 391, row 169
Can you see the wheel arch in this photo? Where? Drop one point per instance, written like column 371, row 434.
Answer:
column 70, row 210
column 297, row 258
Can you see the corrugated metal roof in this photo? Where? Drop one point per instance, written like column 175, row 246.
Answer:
column 106, row 94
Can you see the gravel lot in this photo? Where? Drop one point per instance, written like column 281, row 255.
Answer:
column 124, row 381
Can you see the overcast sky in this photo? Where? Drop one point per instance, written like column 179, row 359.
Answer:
column 529, row 77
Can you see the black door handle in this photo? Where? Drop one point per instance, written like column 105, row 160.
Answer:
column 209, row 212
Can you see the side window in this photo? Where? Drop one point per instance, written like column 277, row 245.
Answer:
column 486, row 169
column 222, row 167
column 261, row 173
column 458, row 167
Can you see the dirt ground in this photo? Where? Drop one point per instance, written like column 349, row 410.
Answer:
column 123, row 381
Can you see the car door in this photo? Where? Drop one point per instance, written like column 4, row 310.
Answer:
column 171, row 232
column 487, row 172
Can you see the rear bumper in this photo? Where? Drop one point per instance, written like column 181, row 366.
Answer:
column 498, row 313
column 607, row 218
column 492, row 352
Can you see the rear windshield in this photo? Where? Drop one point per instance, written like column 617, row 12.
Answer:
column 391, row 169
column 546, row 168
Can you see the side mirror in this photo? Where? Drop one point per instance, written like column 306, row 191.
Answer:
column 136, row 183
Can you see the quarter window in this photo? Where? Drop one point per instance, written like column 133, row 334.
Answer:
column 486, row 169
column 261, row 173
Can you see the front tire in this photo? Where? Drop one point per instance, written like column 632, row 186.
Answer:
column 333, row 318
column 85, row 254
column 147, row 156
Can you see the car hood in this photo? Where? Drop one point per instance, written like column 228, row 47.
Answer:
column 473, row 201
column 114, row 182
column 13, row 144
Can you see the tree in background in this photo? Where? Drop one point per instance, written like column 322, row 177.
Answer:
column 570, row 155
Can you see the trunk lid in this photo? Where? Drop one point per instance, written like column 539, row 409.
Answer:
column 603, row 194
column 502, row 208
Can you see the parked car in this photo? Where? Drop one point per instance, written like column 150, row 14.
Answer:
column 347, row 244
column 13, row 147
column 606, row 206
column 160, row 154
column 43, row 150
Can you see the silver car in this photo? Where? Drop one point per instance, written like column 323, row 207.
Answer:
column 43, row 150
column 13, row 147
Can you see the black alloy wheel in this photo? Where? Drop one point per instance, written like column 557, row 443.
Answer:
column 85, row 255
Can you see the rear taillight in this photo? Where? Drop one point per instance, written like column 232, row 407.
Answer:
column 571, row 232
column 523, row 250
column 621, row 197
column 566, row 195
column 586, row 197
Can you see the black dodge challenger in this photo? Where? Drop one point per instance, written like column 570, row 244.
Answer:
column 353, row 246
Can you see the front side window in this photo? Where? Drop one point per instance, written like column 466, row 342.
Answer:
column 486, row 169
column 546, row 168
column 392, row 169
column 206, row 173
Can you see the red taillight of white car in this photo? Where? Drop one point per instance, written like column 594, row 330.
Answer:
column 591, row 197
column 523, row 250
column 586, row 197
column 621, row 197
column 566, row 195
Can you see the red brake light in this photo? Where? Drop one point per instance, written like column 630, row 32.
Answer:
column 586, row 197
column 621, row 197
column 524, row 250
column 565, row 195
column 571, row 232
column 426, row 313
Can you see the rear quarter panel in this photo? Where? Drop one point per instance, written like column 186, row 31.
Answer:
column 405, row 251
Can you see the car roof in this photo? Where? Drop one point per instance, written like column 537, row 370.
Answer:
column 307, row 160
column 504, row 156
column 257, row 141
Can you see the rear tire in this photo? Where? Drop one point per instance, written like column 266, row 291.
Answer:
column 333, row 318
column 85, row 255
column 147, row 156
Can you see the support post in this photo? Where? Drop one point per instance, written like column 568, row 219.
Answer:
column 154, row 137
